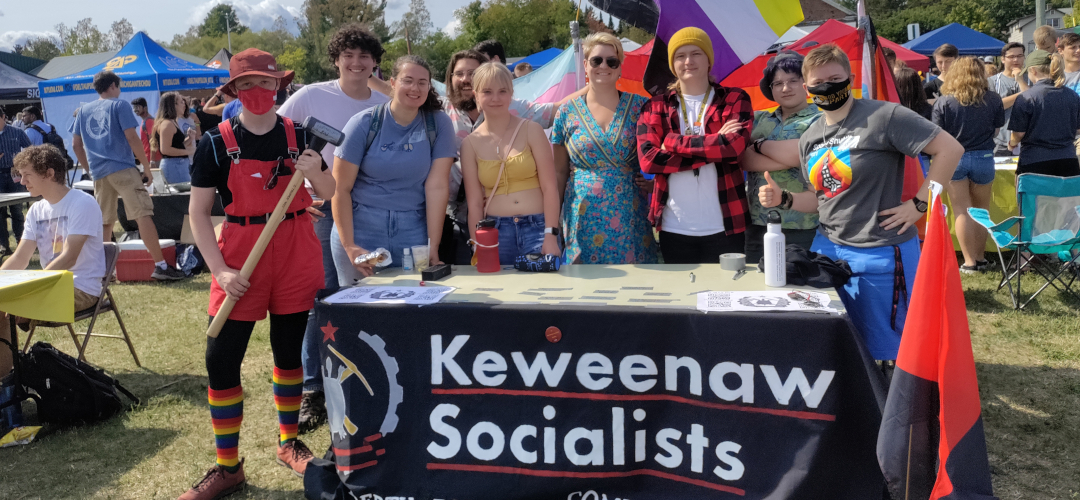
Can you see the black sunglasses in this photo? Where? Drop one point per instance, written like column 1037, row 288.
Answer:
column 612, row 62
column 280, row 169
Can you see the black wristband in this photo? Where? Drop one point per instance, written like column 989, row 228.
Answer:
column 786, row 200
column 757, row 145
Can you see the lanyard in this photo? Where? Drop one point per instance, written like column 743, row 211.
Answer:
column 701, row 113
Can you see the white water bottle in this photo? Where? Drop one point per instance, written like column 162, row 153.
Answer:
column 406, row 260
column 773, row 259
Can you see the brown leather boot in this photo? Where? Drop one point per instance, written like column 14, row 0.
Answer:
column 217, row 483
column 295, row 455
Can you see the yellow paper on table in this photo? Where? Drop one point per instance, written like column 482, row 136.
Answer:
column 40, row 295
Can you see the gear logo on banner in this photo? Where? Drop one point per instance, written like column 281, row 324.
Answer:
column 367, row 378
column 830, row 172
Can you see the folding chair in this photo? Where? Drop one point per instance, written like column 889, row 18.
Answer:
column 1047, row 237
column 106, row 302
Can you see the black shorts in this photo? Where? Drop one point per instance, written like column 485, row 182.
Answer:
column 1065, row 167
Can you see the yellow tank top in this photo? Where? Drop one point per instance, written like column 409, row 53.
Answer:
column 518, row 175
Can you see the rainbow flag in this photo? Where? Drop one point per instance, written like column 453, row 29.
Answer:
column 552, row 82
column 740, row 30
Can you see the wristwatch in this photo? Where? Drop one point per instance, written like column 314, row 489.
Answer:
column 920, row 205
column 554, row 231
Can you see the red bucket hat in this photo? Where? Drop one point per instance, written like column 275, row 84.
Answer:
column 254, row 62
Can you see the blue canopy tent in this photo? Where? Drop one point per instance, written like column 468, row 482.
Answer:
column 967, row 40
column 145, row 69
column 538, row 59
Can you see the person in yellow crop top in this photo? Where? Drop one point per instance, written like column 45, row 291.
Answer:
column 509, row 172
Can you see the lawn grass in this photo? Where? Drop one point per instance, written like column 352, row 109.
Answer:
column 1028, row 364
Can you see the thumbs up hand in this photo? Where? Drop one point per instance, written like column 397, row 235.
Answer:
column 769, row 195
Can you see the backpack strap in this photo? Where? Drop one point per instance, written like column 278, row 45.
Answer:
column 290, row 137
column 375, row 126
column 432, row 131
column 229, row 138
column 130, row 396
column 38, row 129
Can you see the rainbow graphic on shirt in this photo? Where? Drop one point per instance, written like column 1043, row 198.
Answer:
column 830, row 172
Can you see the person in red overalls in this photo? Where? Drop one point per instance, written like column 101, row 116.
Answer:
column 248, row 161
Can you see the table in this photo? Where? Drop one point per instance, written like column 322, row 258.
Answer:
column 169, row 212
column 9, row 199
column 597, row 378
column 40, row 295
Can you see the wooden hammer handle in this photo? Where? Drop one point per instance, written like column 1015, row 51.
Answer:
column 268, row 231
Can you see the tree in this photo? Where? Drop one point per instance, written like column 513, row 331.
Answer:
column 416, row 23
column 321, row 19
column 523, row 26
column 84, row 38
column 221, row 20
column 119, row 34
column 39, row 48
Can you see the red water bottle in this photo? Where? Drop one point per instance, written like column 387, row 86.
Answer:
column 487, row 246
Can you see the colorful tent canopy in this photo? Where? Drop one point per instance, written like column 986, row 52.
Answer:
column 538, row 59
column 832, row 29
column 220, row 60
column 968, row 41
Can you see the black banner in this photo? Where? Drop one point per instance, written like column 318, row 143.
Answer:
column 469, row 402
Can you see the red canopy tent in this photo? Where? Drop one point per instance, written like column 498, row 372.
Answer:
column 634, row 70
column 832, row 29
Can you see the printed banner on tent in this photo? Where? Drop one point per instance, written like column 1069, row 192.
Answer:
column 479, row 402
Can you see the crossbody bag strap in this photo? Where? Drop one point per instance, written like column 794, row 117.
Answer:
column 502, row 166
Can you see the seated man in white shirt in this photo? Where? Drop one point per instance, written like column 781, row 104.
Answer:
column 64, row 227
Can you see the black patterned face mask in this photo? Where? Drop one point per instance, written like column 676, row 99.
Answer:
column 830, row 96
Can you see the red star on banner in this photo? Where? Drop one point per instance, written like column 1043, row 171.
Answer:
column 328, row 332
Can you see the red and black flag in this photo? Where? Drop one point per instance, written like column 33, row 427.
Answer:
column 931, row 443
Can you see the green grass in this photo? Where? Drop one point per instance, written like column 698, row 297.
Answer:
column 1028, row 366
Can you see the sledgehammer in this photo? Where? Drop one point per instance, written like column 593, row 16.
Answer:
column 320, row 134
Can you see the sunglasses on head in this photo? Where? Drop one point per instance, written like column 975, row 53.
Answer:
column 612, row 62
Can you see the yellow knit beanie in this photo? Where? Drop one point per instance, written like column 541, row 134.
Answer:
column 688, row 36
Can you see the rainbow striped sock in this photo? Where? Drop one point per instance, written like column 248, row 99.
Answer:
column 226, row 413
column 288, row 391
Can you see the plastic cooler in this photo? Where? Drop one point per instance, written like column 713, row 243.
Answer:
column 135, row 262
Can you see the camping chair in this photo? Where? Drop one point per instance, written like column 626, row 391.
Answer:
column 106, row 302
column 1046, row 238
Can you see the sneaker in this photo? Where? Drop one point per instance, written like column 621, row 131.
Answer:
column 312, row 411
column 217, row 483
column 295, row 455
column 982, row 265
column 168, row 274
column 969, row 269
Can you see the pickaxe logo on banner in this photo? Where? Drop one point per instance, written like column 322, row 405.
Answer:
column 356, row 439
column 120, row 61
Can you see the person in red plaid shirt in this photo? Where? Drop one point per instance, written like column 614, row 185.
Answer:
column 691, row 137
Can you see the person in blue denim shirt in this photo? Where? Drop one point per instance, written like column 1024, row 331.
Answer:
column 392, row 194
column 969, row 111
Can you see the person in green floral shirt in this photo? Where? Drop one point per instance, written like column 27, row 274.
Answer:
column 775, row 150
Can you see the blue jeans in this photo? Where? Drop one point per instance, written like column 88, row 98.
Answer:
column 868, row 296
column 309, row 351
column 378, row 228
column 175, row 170
column 8, row 185
column 978, row 166
column 519, row 235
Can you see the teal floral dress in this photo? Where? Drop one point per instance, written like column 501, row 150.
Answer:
column 605, row 215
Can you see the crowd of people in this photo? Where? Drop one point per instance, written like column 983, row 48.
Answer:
column 685, row 176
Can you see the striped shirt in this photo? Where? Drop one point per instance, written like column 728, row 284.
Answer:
column 12, row 140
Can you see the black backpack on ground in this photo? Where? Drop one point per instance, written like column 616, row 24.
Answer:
column 53, row 138
column 72, row 392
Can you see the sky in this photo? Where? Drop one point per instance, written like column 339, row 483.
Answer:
column 22, row 20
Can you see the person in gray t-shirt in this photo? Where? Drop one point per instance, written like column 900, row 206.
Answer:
column 1008, row 84
column 854, row 159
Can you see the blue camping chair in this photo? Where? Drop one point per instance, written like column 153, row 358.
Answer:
column 1047, row 237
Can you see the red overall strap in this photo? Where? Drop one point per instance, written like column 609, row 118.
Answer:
column 227, row 136
column 290, row 136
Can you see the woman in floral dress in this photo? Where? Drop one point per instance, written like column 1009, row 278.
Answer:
column 605, row 208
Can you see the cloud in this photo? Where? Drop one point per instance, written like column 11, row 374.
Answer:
column 256, row 16
column 10, row 39
column 452, row 27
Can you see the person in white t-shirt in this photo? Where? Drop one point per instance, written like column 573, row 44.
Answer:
column 356, row 53
column 64, row 227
